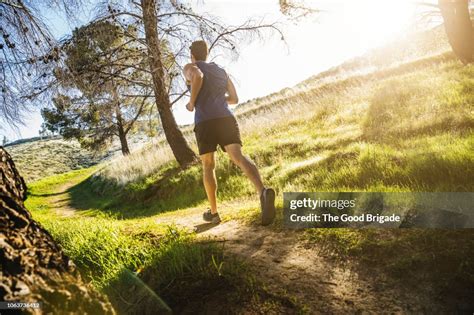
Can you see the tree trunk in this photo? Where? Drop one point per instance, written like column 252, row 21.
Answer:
column 123, row 140
column 458, row 26
column 121, row 132
column 33, row 266
column 181, row 150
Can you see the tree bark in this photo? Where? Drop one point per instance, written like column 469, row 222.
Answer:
column 181, row 150
column 123, row 140
column 458, row 26
column 121, row 132
column 33, row 266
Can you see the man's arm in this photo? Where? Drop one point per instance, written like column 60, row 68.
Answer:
column 193, row 76
column 231, row 97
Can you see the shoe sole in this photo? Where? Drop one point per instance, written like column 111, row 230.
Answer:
column 268, row 211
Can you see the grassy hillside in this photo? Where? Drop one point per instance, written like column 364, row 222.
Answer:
column 42, row 158
column 156, row 261
column 39, row 158
column 408, row 48
column 407, row 128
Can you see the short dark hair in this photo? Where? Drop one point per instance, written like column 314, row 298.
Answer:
column 199, row 50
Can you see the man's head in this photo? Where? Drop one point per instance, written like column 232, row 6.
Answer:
column 198, row 51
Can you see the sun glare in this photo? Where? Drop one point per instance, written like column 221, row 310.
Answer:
column 371, row 22
column 345, row 29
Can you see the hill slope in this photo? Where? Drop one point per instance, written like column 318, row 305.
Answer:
column 406, row 128
column 42, row 158
column 390, row 119
column 38, row 158
column 135, row 225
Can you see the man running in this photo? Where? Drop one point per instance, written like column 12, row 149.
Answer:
column 211, row 92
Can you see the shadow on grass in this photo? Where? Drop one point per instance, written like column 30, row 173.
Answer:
column 389, row 133
column 46, row 194
column 203, row 227
column 172, row 189
column 130, row 295
column 176, row 189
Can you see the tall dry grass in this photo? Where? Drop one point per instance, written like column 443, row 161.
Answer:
column 344, row 97
column 140, row 164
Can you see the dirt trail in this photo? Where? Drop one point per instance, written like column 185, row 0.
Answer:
column 61, row 200
column 285, row 264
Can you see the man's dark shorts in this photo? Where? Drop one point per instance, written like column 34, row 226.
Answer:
column 219, row 131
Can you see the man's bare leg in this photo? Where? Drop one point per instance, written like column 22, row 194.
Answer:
column 267, row 195
column 246, row 165
column 209, row 179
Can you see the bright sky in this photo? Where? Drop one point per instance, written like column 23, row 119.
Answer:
column 346, row 29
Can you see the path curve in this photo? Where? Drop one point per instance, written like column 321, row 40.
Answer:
column 287, row 265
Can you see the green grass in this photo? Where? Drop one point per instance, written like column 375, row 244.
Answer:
column 410, row 131
column 160, row 261
column 99, row 245
column 405, row 132
column 405, row 129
